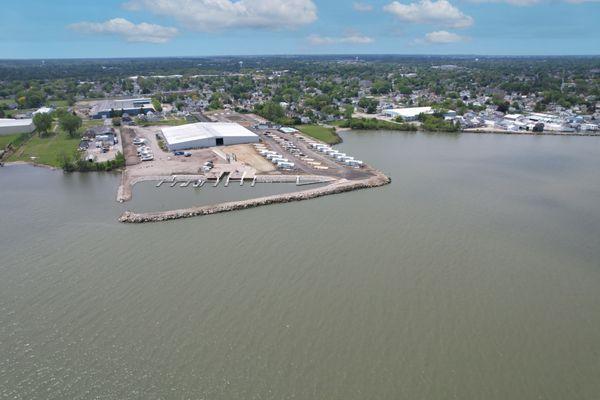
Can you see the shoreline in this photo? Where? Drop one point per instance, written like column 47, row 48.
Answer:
column 525, row 133
column 33, row 164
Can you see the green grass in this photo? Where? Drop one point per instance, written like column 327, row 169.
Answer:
column 46, row 150
column 88, row 123
column 166, row 122
column 5, row 140
column 319, row 132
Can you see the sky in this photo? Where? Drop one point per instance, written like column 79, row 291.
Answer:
column 161, row 28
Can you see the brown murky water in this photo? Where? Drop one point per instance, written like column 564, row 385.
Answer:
column 475, row 275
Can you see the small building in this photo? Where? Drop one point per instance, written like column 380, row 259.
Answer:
column 206, row 134
column 450, row 114
column 43, row 110
column 11, row 126
column 285, row 129
column 95, row 131
column 512, row 117
column 408, row 113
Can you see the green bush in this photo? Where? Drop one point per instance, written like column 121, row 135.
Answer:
column 376, row 124
column 436, row 123
column 73, row 164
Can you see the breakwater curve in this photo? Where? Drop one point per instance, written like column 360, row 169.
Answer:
column 334, row 187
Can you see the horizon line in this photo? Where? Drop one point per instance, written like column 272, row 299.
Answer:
column 306, row 55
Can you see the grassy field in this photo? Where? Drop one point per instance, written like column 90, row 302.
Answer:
column 88, row 123
column 319, row 132
column 59, row 103
column 166, row 122
column 5, row 140
column 46, row 150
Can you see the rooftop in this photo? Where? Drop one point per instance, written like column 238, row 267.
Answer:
column 410, row 111
column 204, row 130
column 15, row 122
column 107, row 105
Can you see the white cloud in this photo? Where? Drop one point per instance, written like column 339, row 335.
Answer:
column 215, row 15
column 443, row 37
column 512, row 2
column 531, row 2
column 432, row 12
column 522, row 2
column 349, row 38
column 362, row 7
column 131, row 32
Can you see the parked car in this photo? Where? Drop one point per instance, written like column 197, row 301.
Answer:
column 139, row 141
column 148, row 157
column 187, row 154
column 143, row 149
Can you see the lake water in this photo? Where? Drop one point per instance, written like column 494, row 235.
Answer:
column 147, row 197
column 474, row 275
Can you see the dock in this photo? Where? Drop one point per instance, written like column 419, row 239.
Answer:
column 333, row 187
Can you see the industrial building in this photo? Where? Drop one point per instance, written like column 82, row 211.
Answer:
column 12, row 126
column 206, row 134
column 409, row 113
column 109, row 108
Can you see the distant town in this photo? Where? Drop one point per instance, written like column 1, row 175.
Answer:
column 70, row 101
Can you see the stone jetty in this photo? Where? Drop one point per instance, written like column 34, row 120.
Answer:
column 334, row 187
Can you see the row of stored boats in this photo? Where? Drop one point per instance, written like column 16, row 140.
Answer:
column 276, row 158
column 336, row 155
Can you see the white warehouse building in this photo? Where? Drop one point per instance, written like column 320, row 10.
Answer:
column 408, row 113
column 206, row 134
column 12, row 126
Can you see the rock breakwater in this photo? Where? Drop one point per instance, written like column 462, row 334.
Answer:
column 337, row 186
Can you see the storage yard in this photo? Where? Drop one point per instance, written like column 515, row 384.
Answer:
column 271, row 155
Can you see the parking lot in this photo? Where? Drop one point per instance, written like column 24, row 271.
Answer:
column 98, row 153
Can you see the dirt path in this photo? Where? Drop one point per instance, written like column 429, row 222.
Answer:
column 129, row 149
column 248, row 155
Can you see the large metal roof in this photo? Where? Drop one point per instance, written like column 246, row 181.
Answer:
column 15, row 122
column 204, row 130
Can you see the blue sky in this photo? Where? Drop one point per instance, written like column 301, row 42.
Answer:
column 140, row 28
